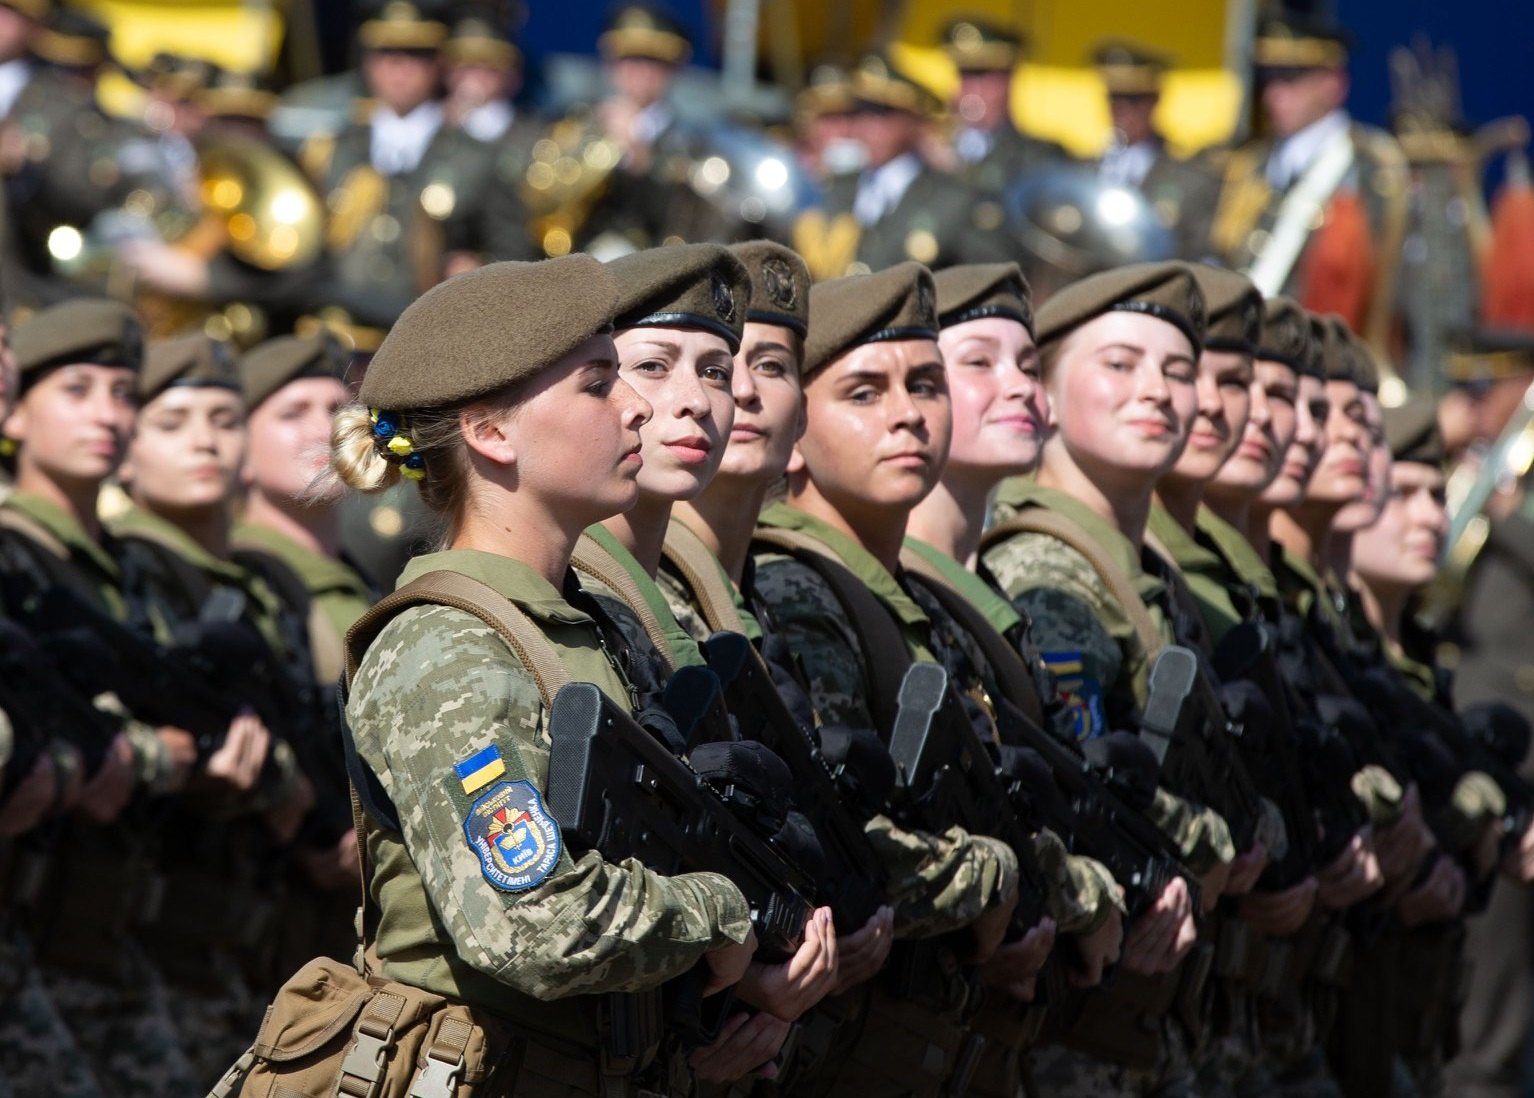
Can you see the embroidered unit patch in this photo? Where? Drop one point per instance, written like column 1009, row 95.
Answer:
column 516, row 839
column 1082, row 694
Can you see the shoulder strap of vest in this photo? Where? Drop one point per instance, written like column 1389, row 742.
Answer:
column 885, row 655
column 12, row 519
column 1182, row 594
column 685, row 551
column 1041, row 520
column 590, row 558
column 1012, row 674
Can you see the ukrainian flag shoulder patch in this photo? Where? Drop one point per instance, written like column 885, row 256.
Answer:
column 480, row 769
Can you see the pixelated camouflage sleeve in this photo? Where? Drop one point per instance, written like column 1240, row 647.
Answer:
column 1082, row 893
column 939, row 883
column 437, row 687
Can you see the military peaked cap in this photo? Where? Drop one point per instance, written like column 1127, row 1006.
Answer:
column 195, row 360
column 780, row 284
column 683, row 286
column 975, row 45
column 402, row 25
column 645, row 31
column 1167, row 291
column 1128, row 68
column 1491, row 354
column 1411, row 432
column 877, row 80
column 271, row 365
column 1234, row 308
column 83, row 330
column 483, row 330
column 897, row 303
column 1295, row 42
column 476, row 42
column 975, row 291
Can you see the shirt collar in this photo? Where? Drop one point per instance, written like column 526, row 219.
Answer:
column 1299, row 150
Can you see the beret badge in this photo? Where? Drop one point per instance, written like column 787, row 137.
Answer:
column 778, row 280
column 724, row 299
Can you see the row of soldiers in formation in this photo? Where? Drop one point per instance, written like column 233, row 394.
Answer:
column 433, row 169
column 1157, row 473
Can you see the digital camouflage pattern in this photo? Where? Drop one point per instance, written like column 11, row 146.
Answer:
column 38, row 1054
column 437, row 687
column 687, row 613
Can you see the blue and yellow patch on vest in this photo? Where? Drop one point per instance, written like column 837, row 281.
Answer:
column 1081, row 693
column 479, row 769
column 515, row 838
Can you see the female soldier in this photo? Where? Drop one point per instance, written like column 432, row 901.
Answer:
column 289, row 534
column 71, row 424
column 877, row 429
column 499, row 391
column 1119, row 354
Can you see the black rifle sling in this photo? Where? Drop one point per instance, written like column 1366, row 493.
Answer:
column 1012, row 674
column 884, row 651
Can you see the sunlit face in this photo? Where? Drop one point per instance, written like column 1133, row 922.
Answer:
column 1122, row 389
column 1342, row 474
column 769, row 404
column 685, row 375
column 187, row 449
column 1355, row 516
column 1224, row 391
column 73, row 424
column 1403, row 547
column 878, row 427
column 290, row 437
column 1299, row 462
column 1269, row 433
column 576, row 436
column 1000, row 409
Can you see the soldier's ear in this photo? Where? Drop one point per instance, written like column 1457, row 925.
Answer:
column 487, row 435
column 796, row 462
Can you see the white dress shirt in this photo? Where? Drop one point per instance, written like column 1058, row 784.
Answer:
column 880, row 190
column 1128, row 165
column 398, row 143
column 1295, row 153
column 13, row 77
column 491, row 121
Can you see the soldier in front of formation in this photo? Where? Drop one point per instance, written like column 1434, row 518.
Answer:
column 1182, row 192
column 1316, row 208
column 994, row 155
column 895, row 206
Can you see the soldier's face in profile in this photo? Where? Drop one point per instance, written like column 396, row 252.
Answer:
column 685, row 374
column 187, row 449
column 401, row 79
column 1224, row 391
column 73, row 424
column 1269, row 432
column 1310, row 414
column 1342, row 474
column 1402, row 548
column 1294, row 98
column 1123, row 392
column 1356, row 516
column 1000, row 408
column 290, row 437
column 769, row 404
column 878, row 431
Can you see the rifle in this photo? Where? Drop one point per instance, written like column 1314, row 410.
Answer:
column 1499, row 737
column 1205, row 763
column 44, row 705
column 853, row 884
column 615, row 788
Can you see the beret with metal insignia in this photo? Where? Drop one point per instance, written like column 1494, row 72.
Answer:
column 1128, row 68
column 1167, row 291
column 83, row 330
column 485, row 329
column 1490, row 354
column 269, row 366
column 1285, row 335
column 401, row 25
column 645, row 31
column 195, row 360
column 1411, row 431
column 1234, row 308
column 896, row 303
column 975, row 45
column 683, row 286
column 780, row 284
column 974, row 291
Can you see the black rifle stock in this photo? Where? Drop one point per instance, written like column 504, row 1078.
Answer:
column 853, row 885
column 43, row 705
column 613, row 787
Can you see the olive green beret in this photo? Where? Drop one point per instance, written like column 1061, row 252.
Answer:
column 195, row 360
column 1334, row 351
column 1411, row 432
column 269, row 366
column 1347, row 357
column 1234, row 308
column 896, row 303
column 973, row 291
column 1490, row 354
column 780, row 284
column 1366, row 368
column 1167, row 291
column 1285, row 335
column 683, row 286
column 483, row 330
column 89, row 330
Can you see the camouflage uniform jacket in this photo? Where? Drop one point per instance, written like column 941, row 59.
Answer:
column 1088, row 640
column 687, row 606
column 438, row 688
column 1204, row 569
column 937, row 882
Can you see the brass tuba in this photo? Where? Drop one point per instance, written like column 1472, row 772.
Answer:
column 570, row 171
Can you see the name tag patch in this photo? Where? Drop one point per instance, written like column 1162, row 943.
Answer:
column 513, row 835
